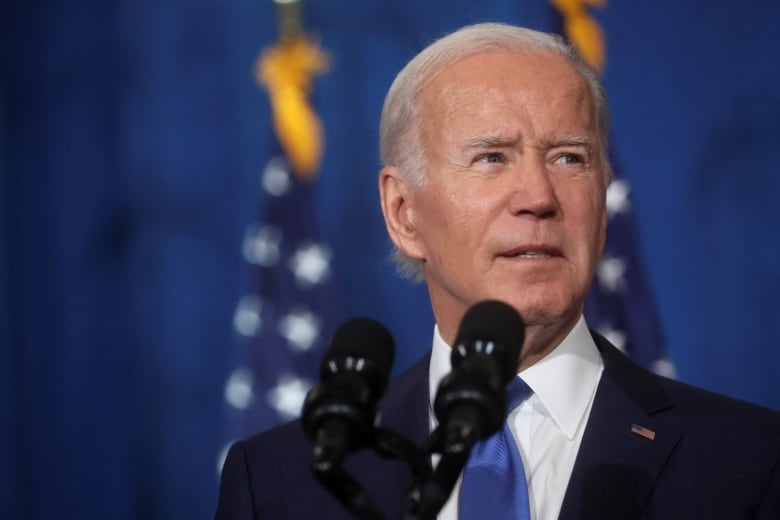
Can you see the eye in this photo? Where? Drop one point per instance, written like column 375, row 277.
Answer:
column 570, row 158
column 493, row 157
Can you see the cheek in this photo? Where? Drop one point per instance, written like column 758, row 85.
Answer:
column 436, row 219
column 602, row 233
column 471, row 215
column 599, row 204
column 598, row 234
column 587, row 219
column 452, row 225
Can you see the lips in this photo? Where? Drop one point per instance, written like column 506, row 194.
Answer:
column 532, row 251
column 534, row 254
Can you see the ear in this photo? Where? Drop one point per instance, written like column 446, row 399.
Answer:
column 398, row 208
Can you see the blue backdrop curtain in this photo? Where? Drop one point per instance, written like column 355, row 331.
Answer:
column 132, row 139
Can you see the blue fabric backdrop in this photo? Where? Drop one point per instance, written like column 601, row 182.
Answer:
column 131, row 142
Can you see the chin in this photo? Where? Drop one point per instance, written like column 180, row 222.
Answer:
column 540, row 311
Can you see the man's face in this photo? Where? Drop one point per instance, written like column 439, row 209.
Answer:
column 513, row 207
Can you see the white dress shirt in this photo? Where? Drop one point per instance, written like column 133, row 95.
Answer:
column 548, row 426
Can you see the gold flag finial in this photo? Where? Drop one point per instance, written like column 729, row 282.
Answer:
column 583, row 30
column 286, row 70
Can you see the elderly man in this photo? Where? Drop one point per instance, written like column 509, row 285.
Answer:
column 495, row 172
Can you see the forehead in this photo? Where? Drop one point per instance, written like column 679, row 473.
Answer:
column 492, row 85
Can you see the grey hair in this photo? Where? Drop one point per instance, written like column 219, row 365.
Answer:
column 400, row 128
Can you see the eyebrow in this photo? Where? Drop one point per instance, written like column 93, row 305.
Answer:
column 488, row 141
column 498, row 141
column 585, row 141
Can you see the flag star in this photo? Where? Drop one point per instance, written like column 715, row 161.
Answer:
column 261, row 245
column 616, row 337
column 247, row 320
column 288, row 395
column 301, row 329
column 311, row 264
column 611, row 274
column 617, row 197
column 276, row 177
column 239, row 391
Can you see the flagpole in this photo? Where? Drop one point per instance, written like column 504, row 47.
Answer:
column 288, row 14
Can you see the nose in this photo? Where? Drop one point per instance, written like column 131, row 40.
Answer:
column 533, row 191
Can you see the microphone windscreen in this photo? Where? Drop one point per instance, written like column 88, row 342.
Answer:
column 366, row 339
column 495, row 321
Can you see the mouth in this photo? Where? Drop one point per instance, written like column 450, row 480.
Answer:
column 532, row 252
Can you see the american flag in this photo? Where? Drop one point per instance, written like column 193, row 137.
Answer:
column 292, row 304
column 620, row 304
column 643, row 432
column 284, row 320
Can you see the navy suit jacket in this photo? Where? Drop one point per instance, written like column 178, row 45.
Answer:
column 710, row 457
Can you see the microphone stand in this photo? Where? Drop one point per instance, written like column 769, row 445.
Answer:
column 470, row 405
column 430, row 490
column 329, row 452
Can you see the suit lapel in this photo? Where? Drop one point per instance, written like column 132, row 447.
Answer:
column 627, row 441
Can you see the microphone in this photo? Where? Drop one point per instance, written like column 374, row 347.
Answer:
column 338, row 414
column 471, row 400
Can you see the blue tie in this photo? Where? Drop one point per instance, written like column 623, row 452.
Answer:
column 493, row 485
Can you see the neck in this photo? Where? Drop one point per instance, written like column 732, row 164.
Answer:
column 542, row 339
column 542, row 334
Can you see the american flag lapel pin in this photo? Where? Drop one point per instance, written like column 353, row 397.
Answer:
column 643, row 432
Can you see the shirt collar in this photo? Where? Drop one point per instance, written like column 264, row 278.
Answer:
column 564, row 381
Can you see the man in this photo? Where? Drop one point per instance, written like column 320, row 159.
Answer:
column 495, row 152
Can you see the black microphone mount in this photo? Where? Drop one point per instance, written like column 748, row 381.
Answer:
column 470, row 405
column 338, row 414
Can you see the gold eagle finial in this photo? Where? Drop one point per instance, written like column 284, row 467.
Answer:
column 583, row 30
column 286, row 70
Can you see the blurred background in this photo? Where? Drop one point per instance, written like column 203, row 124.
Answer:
column 135, row 147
